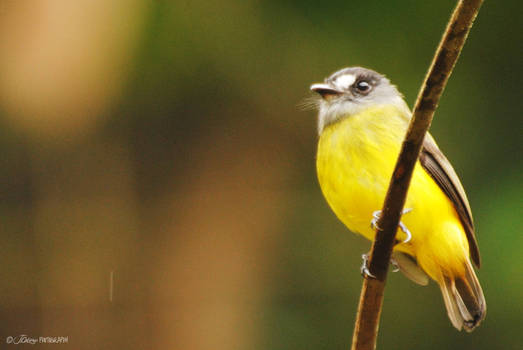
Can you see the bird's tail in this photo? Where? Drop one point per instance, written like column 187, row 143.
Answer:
column 464, row 299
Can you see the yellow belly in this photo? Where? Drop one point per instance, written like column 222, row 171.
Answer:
column 355, row 160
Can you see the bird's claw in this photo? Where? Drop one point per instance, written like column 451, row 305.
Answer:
column 395, row 265
column 365, row 267
column 365, row 272
column 406, row 231
column 376, row 216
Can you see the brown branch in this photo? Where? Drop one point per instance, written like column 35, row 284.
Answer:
column 371, row 299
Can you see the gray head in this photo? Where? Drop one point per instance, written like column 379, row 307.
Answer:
column 351, row 90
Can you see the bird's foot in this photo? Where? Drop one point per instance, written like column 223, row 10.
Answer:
column 395, row 265
column 376, row 216
column 365, row 267
column 365, row 272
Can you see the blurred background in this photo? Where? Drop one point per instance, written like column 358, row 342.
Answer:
column 158, row 186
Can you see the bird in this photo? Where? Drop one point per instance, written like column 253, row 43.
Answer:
column 362, row 120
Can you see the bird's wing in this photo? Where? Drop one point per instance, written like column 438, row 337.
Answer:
column 439, row 168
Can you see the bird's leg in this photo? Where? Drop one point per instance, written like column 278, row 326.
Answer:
column 376, row 217
column 374, row 224
column 365, row 267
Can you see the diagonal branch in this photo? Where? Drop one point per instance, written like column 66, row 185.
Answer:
column 371, row 299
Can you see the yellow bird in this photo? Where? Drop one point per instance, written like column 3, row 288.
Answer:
column 362, row 122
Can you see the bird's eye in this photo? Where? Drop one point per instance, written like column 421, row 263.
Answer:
column 362, row 86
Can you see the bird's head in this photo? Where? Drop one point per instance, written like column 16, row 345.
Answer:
column 350, row 91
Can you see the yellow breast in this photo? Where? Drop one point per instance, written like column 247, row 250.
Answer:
column 355, row 160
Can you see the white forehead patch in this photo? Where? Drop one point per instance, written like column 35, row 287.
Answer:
column 345, row 81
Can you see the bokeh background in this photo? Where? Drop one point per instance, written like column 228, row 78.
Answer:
column 157, row 183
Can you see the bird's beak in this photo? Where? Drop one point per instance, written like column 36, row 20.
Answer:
column 326, row 91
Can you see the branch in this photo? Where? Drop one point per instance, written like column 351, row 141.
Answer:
column 371, row 299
